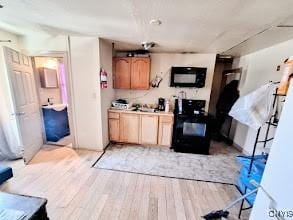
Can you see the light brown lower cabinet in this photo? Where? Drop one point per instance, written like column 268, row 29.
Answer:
column 114, row 126
column 149, row 129
column 165, row 131
column 136, row 128
column 129, row 128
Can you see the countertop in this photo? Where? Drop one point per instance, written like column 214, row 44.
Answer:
column 141, row 113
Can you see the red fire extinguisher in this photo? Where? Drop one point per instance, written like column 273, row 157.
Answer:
column 104, row 79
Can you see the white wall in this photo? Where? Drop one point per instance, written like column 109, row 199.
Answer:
column 162, row 63
column 108, row 94
column 85, row 63
column 258, row 69
column 278, row 175
column 6, row 105
column 36, row 43
column 44, row 93
column 86, row 96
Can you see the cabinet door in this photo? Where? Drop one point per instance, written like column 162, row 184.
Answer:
column 140, row 73
column 129, row 128
column 165, row 130
column 121, row 69
column 114, row 130
column 149, row 129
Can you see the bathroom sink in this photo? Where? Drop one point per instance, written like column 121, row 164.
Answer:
column 57, row 107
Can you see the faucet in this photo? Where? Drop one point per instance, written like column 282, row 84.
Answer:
column 49, row 101
column 182, row 94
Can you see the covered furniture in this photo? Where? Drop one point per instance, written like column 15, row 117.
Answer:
column 56, row 122
column 5, row 173
column 33, row 208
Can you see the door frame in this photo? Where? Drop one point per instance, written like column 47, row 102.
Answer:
column 69, row 88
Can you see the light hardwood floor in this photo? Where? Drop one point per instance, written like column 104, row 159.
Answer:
column 76, row 191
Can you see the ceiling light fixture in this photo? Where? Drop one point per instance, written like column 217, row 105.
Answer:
column 156, row 22
column 148, row 45
column 224, row 56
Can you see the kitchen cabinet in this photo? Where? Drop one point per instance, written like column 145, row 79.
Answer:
column 48, row 77
column 140, row 127
column 165, row 131
column 131, row 73
column 129, row 128
column 140, row 73
column 149, row 129
column 114, row 126
column 122, row 70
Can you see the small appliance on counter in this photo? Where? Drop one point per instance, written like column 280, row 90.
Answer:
column 120, row 104
column 161, row 104
column 191, row 130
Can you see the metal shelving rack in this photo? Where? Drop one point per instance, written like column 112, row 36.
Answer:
column 272, row 122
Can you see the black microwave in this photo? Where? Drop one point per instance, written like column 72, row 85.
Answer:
column 188, row 77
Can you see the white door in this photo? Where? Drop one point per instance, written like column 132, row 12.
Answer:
column 26, row 106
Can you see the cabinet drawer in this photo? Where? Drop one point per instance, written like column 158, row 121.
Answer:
column 166, row 119
column 113, row 115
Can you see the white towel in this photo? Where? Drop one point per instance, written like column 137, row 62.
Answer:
column 255, row 108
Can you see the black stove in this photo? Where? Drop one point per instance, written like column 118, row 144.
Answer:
column 191, row 131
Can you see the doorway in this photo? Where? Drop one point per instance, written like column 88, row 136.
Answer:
column 229, row 76
column 25, row 101
column 51, row 76
column 221, row 101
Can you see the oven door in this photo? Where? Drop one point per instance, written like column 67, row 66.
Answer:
column 191, row 134
column 195, row 129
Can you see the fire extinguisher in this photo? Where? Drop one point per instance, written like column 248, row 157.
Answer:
column 104, row 79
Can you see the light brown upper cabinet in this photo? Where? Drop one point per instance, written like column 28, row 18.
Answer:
column 131, row 73
column 140, row 73
column 122, row 68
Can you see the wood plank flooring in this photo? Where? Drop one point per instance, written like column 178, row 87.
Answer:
column 76, row 191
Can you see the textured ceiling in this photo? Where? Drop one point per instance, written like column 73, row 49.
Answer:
column 215, row 26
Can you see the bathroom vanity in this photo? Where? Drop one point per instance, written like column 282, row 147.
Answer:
column 55, row 122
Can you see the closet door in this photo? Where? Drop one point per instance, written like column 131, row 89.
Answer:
column 140, row 73
column 121, row 70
